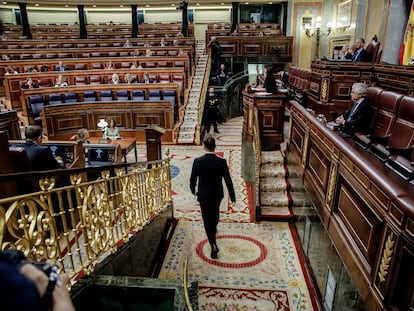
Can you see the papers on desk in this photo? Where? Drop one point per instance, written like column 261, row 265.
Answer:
column 333, row 125
column 262, row 93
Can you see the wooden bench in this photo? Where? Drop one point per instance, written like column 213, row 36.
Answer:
column 136, row 92
column 13, row 83
column 95, row 31
column 76, row 43
column 80, row 51
column 98, row 62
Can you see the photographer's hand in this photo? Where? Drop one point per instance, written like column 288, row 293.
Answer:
column 61, row 297
column 36, row 276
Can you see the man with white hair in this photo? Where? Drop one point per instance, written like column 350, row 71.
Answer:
column 358, row 117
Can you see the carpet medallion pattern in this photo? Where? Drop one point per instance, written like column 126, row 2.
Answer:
column 257, row 266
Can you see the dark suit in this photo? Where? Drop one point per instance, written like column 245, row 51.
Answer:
column 61, row 68
column 209, row 170
column 210, row 112
column 361, row 56
column 358, row 120
column 41, row 157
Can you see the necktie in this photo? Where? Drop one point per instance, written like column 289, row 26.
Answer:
column 354, row 59
column 353, row 110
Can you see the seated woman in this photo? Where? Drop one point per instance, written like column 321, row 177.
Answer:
column 111, row 131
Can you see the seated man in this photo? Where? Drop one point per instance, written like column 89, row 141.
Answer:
column 40, row 157
column 61, row 67
column 146, row 79
column 222, row 75
column 360, row 54
column 358, row 118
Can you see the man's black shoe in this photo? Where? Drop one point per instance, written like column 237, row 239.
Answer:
column 216, row 131
column 214, row 252
column 344, row 135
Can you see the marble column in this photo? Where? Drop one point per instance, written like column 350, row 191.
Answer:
column 25, row 20
column 83, row 33
column 235, row 15
column 134, row 19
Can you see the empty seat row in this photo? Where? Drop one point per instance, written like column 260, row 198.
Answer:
column 103, row 95
column 391, row 137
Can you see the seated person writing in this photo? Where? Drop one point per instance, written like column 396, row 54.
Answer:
column 40, row 157
column 358, row 117
column 111, row 131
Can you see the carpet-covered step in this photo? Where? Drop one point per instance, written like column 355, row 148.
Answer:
column 272, row 170
column 275, row 213
column 271, row 198
column 273, row 184
column 274, row 157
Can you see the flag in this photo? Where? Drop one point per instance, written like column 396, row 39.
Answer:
column 407, row 48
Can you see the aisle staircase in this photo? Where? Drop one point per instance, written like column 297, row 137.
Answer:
column 187, row 131
column 281, row 188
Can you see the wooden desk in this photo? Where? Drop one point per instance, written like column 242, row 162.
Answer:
column 367, row 209
column 127, row 144
column 269, row 110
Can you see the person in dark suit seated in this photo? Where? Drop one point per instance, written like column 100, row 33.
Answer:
column 40, row 157
column 207, row 173
column 146, row 79
column 222, row 75
column 360, row 54
column 61, row 67
column 358, row 117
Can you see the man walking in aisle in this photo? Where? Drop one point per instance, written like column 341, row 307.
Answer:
column 208, row 172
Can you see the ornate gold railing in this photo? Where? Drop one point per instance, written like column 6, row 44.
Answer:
column 75, row 226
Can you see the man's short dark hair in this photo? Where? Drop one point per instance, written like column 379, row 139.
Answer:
column 33, row 132
column 209, row 143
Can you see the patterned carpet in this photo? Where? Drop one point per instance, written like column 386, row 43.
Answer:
column 258, row 266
